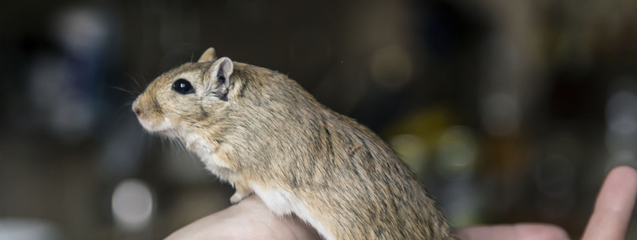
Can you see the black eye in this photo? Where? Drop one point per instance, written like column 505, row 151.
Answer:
column 182, row 86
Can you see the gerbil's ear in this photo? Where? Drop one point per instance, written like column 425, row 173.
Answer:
column 220, row 74
column 208, row 56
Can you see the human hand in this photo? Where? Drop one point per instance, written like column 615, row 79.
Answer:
column 251, row 219
column 248, row 219
column 610, row 219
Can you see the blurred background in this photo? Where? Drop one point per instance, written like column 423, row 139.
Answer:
column 508, row 110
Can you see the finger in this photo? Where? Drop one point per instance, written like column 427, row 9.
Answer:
column 528, row 231
column 614, row 206
column 249, row 219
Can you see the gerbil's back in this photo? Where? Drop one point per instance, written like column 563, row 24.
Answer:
column 396, row 203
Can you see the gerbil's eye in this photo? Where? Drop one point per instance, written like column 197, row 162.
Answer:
column 182, row 86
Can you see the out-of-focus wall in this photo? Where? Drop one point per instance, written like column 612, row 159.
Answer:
column 509, row 110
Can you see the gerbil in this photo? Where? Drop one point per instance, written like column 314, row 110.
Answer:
column 261, row 132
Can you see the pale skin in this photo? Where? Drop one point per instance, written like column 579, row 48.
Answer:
column 251, row 219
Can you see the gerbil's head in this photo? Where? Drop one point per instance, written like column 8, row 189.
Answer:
column 190, row 96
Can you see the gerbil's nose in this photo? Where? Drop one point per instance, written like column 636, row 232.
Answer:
column 136, row 109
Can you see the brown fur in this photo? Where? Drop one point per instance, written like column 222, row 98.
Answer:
column 273, row 134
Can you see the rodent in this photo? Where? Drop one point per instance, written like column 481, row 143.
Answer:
column 263, row 133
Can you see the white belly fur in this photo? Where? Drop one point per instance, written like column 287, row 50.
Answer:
column 283, row 203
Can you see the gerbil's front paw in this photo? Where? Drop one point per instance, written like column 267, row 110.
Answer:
column 237, row 197
column 242, row 191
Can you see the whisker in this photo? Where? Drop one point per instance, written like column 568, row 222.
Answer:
column 124, row 90
column 181, row 145
column 139, row 86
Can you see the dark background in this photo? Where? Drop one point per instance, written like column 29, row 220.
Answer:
column 509, row 110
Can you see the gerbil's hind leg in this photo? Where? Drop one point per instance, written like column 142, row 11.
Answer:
column 242, row 192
